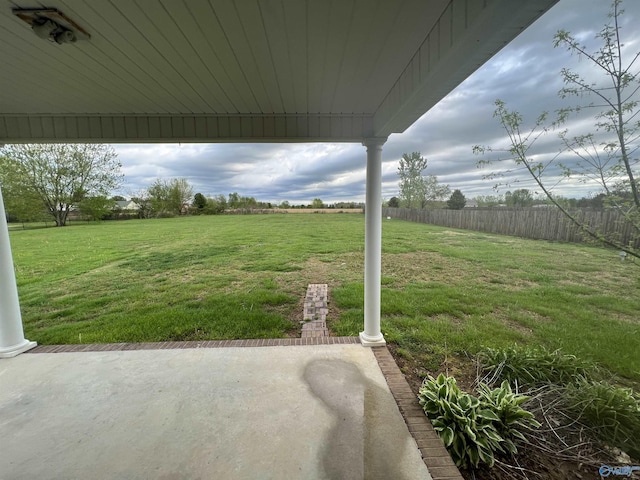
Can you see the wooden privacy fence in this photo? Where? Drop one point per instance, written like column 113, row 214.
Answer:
column 534, row 223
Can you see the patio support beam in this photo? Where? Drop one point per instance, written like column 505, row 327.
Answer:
column 12, row 341
column 372, row 336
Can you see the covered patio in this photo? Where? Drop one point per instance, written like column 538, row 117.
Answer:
column 209, row 410
column 228, row 71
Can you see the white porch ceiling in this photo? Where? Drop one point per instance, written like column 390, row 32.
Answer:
column 244, row 70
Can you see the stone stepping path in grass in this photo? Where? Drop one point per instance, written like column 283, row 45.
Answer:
column 315, row 311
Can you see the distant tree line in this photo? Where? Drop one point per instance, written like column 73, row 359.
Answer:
column 525, row 198
column 419, row 191
column 55, row 182
column 235, row 202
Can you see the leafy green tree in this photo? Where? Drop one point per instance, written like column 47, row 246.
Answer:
column 416, row 190
column 317, row 203
column 457, row 200
column 181, row 193
column 234, row 200
column 169, row 196
column 412, row 184
column 519, row 198
column 96, row 208
column 145, row 206
column 222, row 202
column 285, row 204
column 604, row 158
column 118, row 198
column 565, row 202
column 485, row 201
column 249, row 202
column 61, row 175
column 596, row 201
column 159, row 194
column 22, row 203
column 434, row 191
column 28, row 210
column 394, row 202
column 216, row 205
column 199, row 201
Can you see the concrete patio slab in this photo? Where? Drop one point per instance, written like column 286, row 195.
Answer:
column 295, row 412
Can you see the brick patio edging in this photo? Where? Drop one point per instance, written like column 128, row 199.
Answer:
column 264, row 342
column 434, row 454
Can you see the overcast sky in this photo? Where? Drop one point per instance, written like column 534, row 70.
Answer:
column 525, row 74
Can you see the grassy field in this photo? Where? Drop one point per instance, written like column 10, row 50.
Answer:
column 219, row 277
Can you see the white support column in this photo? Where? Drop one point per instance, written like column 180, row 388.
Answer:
column 372, row 336
column 12, row 341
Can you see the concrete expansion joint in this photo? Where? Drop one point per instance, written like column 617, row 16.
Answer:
column 315, row 311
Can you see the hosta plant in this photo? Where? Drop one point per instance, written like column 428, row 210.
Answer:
column 513, row 419
column 474, row 428
column 466, row 430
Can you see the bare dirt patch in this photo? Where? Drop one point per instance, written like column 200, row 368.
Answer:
column 519, row 328
column 459, row 366
column 434, row 267
column 419, row 267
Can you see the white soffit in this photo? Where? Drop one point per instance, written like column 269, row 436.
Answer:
column 244, row 70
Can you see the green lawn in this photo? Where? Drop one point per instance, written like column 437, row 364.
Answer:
column 444, row 291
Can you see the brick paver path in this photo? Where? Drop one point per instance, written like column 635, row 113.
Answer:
column 315, row 311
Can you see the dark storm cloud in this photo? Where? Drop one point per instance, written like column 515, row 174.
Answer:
column 525, row 74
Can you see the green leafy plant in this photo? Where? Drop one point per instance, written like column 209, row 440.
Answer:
column 531, row 366
column 583, row 392
column 612, row 412
column 473, row 428
column 512, row 417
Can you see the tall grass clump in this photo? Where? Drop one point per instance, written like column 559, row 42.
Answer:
column 612, row 412
column 532, row 366
column 585, row 395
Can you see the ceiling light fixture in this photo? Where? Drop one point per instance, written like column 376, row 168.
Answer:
column 51, row 24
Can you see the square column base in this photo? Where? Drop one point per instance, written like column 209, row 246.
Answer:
column 368, row 341
column 15, row 350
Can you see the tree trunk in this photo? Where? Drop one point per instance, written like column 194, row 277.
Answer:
column 60, row 217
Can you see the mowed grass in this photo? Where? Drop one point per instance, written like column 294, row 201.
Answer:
column 445, row 291
column 194, row 278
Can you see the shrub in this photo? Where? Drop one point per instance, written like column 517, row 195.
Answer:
column 474, row 428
